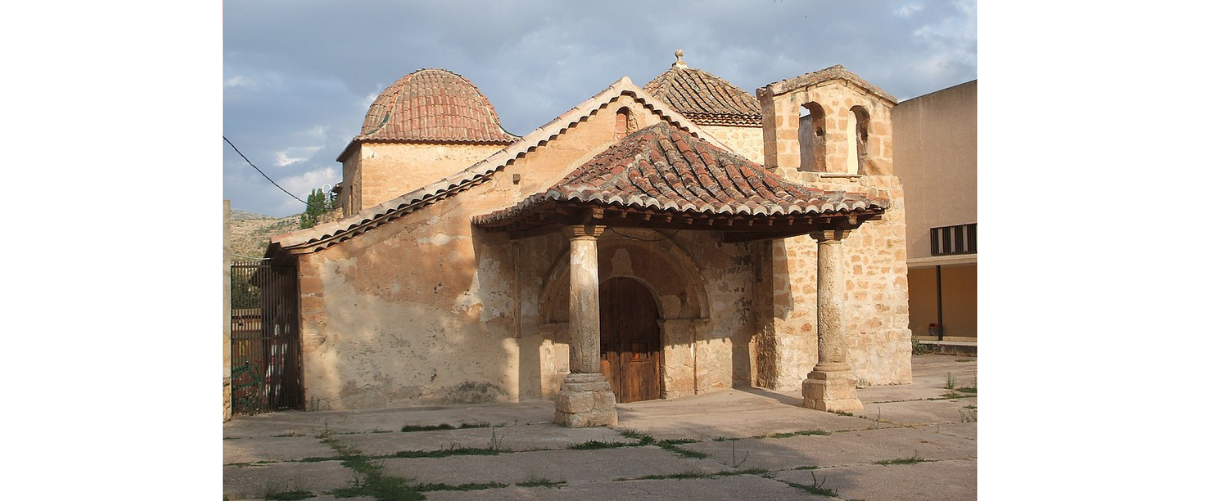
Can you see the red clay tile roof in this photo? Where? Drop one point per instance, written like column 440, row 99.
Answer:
column 705, row 98
column 433, row 105
column 662, row 167
column 324, row 235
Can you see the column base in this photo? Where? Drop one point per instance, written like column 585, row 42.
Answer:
column 585, row 400
column 831, row 391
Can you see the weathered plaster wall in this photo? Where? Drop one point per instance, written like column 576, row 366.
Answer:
column 747, row 141
column 428, row 309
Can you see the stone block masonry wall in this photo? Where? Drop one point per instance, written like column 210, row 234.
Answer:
column 876, row 303
column 746, row 141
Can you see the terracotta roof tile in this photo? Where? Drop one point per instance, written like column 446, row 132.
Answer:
column 327, row 234
column 663, row 167
column 705, row 98
column 433, row 105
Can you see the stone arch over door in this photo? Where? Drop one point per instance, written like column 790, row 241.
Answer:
column 644, row 255
column 677, row 286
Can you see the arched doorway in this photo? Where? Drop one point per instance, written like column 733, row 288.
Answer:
column 630, row 340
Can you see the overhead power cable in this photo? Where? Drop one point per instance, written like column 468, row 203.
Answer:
column 260, row 171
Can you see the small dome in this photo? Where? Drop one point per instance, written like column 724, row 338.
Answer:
column 704, row 98
column 433, row 105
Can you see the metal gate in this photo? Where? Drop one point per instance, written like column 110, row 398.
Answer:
column 265, row 347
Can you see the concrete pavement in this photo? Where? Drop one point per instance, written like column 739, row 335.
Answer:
column 911, row 442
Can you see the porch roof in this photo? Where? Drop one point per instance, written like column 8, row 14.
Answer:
column 663, row 177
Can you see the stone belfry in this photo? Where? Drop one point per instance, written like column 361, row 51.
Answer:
column 829, row 121
column 832, row 130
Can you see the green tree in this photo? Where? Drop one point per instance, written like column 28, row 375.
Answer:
column 316, row 205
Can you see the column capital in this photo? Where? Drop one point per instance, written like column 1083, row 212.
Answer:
column 584, row 230
column 826, row 236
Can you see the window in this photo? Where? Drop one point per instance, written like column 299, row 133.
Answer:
column 957, row 239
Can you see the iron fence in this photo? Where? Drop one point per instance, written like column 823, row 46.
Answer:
column 265, row 346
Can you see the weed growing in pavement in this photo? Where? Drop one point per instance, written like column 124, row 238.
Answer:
column 276, row 492
column 369, row 478
column 472, row 486
column 496, row 441
column 735, row 463
column 843, row 413
column 669, row 444
column 912, row 460
column 950, row 381
column 968, row 415
column 797, row 434
column 595, row 444
column 446, row 426
column 534, row 481
column 816, row 488
column 695, row 474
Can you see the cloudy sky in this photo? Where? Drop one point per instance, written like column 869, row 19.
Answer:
column 298, row 76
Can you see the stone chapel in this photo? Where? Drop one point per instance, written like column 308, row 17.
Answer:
column 651, row 242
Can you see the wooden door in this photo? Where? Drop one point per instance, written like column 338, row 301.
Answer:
column 630, row 340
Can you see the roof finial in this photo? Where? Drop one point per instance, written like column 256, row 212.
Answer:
column 679, row 63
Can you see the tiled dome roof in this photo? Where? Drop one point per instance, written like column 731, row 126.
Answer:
column 433, row 105
column 704, row 98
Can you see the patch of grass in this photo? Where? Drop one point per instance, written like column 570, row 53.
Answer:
column 965, row 360
column 369, row 478
column 473, row 486
column 969, row 389
column 806, row 468
column 688, row 475
column 950, row 395
column 445, row 426
column 289, row 495
column 595, row 444
column 541, row 482
column 641, row 438
column 252, row 463
column 443, row 453
column 724, row 439
column 378, row 430
column 417, row 427
column 799, row 433
column 911, row 460
column 669, row 444
column 289, row 434
column 843, row 413
column 968, row 415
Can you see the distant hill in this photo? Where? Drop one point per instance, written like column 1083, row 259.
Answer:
column 250, row 232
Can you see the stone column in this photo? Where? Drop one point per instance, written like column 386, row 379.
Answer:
column 831, row 386
column 585, row 398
